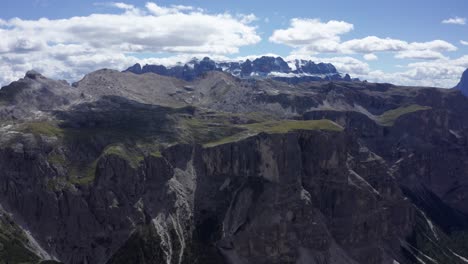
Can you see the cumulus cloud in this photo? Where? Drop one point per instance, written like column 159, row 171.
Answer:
column 123, row 6
column 174, row 9
column 443, row 72
column 305, row 31
column 370, row 57
column 311, row 36
column 420, row 54
column 455, row 21
column 247, row 19
column 372, row 44
column 464, row 42
column 329, row 42
column 376, row 44
column 67, row 48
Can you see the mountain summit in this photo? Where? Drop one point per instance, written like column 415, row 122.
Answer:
column 264, row 67
column 463, row 84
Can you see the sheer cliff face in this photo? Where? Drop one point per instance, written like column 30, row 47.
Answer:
column 266, row 199
column 148, row 169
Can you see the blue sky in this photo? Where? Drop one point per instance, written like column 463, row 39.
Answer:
column 411, row 45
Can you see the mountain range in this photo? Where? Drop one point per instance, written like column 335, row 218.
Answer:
column 232, row 165
column 263, row 67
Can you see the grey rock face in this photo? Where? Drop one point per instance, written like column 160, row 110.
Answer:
column 256, row 201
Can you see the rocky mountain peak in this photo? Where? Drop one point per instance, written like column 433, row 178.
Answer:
column 32, row 74
column 135, row 68
column 263, row 67
column 463, row 84
column 267, row 65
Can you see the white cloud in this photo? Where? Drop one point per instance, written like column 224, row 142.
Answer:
column 186, row 8
column 70, row 47
column 370, row 57
column 123, row 6
column 305, row 31
column 420, row 54
column 455, row 20
column 247, row 19
column 464, row 42
column 173, row 9
column 375, row 44
column 372, row 44
column 435, row 45
column 437, row 73
column 311, row 36
column 444, row 72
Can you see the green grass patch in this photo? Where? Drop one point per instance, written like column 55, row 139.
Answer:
column 123, row 152
column 285, row 126
column 277, row 127
column 156, row 154
column 388, row 118
column 57, row 159
column 42, row 128
column 86, row 174
column 83, row 175
column 200, row 130
column 208, row 126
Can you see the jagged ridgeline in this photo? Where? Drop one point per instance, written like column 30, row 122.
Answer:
column 222, row 163
column 294, row 72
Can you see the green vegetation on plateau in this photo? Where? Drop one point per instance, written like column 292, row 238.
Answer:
column 274, row 127
column 119, row 150
column 83, row 175
column 133, row 143
column 49, row 129
column 388, row 118
column 285, row 126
